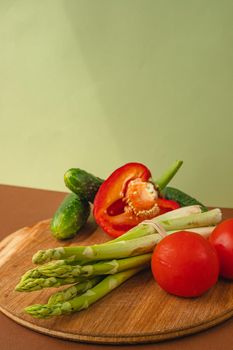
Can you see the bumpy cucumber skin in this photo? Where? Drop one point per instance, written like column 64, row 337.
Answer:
column 70, row 217
column 82, row 183
column 182, row 198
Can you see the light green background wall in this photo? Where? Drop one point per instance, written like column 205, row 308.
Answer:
column 95, row 84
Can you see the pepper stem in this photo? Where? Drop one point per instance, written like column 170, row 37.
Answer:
column 168, row 175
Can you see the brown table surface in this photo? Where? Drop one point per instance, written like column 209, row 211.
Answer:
column 20, row 207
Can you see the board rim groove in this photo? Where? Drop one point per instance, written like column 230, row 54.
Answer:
column 122, row 339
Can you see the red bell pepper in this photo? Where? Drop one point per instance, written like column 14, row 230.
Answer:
column 128, row 197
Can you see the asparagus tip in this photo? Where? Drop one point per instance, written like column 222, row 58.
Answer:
column 18, row 288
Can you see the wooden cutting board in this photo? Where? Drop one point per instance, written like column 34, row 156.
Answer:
column 136, row 312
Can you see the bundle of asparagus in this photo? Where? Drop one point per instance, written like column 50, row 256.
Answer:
column 86, row 267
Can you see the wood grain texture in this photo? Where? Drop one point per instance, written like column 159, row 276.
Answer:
column 138, row 311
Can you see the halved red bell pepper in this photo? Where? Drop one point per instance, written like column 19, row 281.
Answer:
column 128, row 197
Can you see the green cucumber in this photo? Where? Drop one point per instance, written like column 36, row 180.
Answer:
column 182, row 198
column 82, row 183
column 71, row 215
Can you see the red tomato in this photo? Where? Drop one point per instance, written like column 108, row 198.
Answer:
column 185, row 264
column 222, row 240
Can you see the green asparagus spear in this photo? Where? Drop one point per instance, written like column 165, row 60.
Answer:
column 32, row 284
column 36, row 273
column 73, row 291
column 62, row 270
column 118, row 250
column 85, row 300
column 209, row 218
column 186, row 218
column 57, row 273
column 32, row 273
column 126, row 248
column 143, row 230
column 136, row 232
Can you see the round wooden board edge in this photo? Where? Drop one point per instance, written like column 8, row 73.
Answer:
column 120, row 340
column 111, row 339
